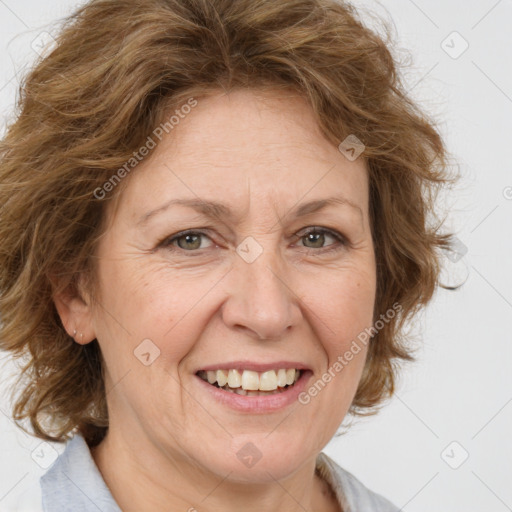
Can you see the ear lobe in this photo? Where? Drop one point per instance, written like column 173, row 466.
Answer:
column 74, row 312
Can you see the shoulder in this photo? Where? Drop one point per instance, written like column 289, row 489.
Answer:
column 352, row 494
column 75, row 479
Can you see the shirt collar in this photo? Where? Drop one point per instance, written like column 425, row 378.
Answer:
column 75, row 479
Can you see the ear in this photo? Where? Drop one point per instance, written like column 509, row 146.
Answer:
column 75, row 311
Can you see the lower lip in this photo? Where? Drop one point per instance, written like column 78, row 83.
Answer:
column 257, row 404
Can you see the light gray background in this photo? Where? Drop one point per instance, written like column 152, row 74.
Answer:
column 456, row 401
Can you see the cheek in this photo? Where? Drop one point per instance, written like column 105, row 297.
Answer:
column 344, row 305
column 157, row 303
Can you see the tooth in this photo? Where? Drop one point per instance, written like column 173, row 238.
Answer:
column 222, row 378
column 268, row 381
column 281, row 378
column 250, row 380
column 240, row 391
column 234, row 379
column 290, row 376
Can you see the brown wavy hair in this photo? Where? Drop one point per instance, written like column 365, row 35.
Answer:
column 117, row 67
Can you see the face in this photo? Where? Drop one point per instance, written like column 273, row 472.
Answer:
column 268, row 278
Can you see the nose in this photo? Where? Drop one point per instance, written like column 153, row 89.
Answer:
column 261, row 298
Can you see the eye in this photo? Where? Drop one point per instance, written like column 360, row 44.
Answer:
column 314, row 238
column 317, row 238
column 186, row 240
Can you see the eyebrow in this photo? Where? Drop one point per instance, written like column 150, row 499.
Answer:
column 214, row 209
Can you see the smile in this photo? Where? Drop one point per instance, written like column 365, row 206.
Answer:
column 251, row 383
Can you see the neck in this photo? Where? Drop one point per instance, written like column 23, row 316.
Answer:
column 141, row 477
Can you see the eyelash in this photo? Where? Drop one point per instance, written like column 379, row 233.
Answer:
column 341, row 241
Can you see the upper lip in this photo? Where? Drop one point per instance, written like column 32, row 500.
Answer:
column 253, row 366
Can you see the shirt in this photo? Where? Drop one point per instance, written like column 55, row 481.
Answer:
column 74, row 484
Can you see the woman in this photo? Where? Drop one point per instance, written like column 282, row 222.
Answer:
column 217, row 218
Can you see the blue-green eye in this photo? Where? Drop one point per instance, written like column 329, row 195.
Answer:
column 192, row 240
column 318, row 236
column 187, row 240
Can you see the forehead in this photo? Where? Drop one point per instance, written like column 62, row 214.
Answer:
column 250, row 128
column 263, row 148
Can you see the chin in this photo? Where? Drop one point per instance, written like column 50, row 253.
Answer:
column 258, row 458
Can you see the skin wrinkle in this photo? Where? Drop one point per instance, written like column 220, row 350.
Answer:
column 61, row 190
column 220, row 211
column 291, row 302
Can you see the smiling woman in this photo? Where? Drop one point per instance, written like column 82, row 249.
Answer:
column 210, row 320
